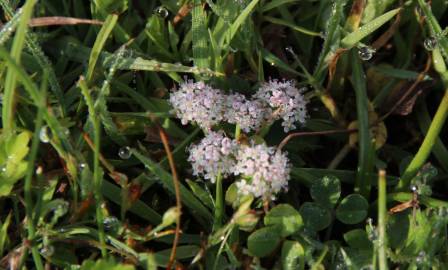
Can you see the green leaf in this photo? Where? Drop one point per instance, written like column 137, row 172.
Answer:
column 353, row 38
column 182, row 252
column 200, row 35
column 201, row 193
column 104, row 33
column 285, row 217
column 263, row 241
column 103, row 264
column 232, row 30
column 293, row 255
column 326, row 191
column 353, row 209
column 4, row 233
column 112, row 6
column 276, row 3
column 358, row 239
column 315, row 216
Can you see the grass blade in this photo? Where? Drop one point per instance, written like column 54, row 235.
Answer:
column 198, row 210
column 200, row 35
column 365, row 153
column 11, row 76
column 354, row 37
column 104, row 33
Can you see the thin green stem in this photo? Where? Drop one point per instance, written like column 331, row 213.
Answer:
column 426, row 147
column 219, row 203
column 28, row 179
column 382, row 210
column 237, row 132
column 97, row 175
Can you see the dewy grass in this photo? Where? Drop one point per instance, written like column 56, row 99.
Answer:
column 276, row 117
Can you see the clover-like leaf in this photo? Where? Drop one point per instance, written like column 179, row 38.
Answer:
column 263, row 241
column 293, row 255
column 315, row 216
column 353, row 209
column 285, row 217
column 326, row 191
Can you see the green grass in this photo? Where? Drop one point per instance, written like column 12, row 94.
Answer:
column 71, row 202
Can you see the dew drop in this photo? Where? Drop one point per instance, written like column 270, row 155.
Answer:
column 430, row 43
column 3, row 169
column 45, row 134
column 366, row 53
column 82, row 166
column 124, row 152
column 111, row 223
column 161, row 11
column 47, row 251
column 272, row 64
column 414, row 188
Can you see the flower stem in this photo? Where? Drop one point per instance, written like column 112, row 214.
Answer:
column 219, row 207
column 426, row 147
column 382, row 244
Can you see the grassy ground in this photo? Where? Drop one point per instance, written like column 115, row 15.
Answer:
column 94, row 170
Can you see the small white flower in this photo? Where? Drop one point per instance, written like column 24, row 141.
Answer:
column 198, row 103
column 264, row 170
column 214, row 154
column 248, row 114
column 286, row 101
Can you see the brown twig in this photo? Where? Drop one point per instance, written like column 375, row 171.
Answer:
column 313, row 133
column 384, row 38
column 57, row 20
column 166, row 145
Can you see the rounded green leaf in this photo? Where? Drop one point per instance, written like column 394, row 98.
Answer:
column 353, row 209
column 358, row 239
column 263, row 241
column 285, row 217
column 326, row 191
column 315, row 216
column 292, row 255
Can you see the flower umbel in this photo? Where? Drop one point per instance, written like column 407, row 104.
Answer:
column 265, row 171
column 286, row 100
column 214, row 154
column 248, row 114
column 198, row 103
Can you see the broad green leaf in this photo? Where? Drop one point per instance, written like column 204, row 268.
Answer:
column 293, row 255
column 264, row 241
column 314, row 216
column 286, row 218
column 353, row 209
column 353, row 38
column 326, row 191
column 358, row 239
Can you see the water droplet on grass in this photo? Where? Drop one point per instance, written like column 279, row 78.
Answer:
column 45, row 134
column 430, row 43
column 111, row 223
column 366, row 53
column 162, row 12
column 47, row 251
column 124, row 152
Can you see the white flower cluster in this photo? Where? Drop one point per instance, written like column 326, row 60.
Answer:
column 248, row 114
column 206, row 106
column 213, row 156
column 264, row 171
column 286, row 100
column 198, row 103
